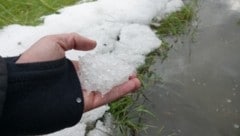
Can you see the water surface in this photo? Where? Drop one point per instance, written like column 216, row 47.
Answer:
column 200, row 94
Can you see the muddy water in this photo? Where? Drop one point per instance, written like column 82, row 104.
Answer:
column 200, row 93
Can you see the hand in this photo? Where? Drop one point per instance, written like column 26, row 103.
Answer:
column 95, row 99
column 53, row 47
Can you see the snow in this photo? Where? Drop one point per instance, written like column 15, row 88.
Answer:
column 120, row 59
column 234, row 4
column 123, row 37
column 104, row 127
column 91, row 66
column 100, row 130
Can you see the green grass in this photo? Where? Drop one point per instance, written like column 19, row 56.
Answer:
column 127, row 109
column 175, row 23
column 28, row 12
column 126, row 114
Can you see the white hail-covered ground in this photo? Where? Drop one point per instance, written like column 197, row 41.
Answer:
column 121, row 29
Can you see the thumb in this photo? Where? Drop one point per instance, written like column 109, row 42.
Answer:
column 74, row 41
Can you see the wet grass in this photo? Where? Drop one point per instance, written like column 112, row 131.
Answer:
column 128, row 111
column 28, row 12
column 175, row 23
column 173, row 26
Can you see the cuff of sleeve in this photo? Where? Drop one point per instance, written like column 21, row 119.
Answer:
column 42, row 97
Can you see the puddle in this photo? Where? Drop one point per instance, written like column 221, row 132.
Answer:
column 200, row 94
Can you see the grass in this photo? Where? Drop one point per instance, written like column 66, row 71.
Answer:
column 175, row 23
column 126, row 112
column 127, row 109
column 28, row 12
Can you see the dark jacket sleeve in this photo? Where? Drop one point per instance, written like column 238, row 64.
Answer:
column 41, row 98
column 3, row 83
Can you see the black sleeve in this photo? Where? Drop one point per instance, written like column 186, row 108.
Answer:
column 41, row 98
column 3, row 83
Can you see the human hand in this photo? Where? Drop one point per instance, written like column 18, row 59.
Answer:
column 95, row 99
column 53, row 47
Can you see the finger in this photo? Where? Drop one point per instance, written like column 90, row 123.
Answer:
column 95, row 99
column 74, row 41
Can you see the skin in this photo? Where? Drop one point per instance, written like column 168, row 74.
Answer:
column 53, row 47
